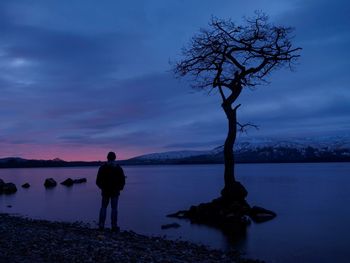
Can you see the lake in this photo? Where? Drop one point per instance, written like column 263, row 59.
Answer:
column 311, row 200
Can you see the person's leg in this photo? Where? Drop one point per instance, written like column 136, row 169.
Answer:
column 114, row 214
column 103, row 211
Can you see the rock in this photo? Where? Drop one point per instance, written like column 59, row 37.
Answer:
column 227, row 215
column 68, row 182
column 9, row 188
column 172, row 225
column 80, row 180
column 259, row 214
column 26, row 185
column 50, row 182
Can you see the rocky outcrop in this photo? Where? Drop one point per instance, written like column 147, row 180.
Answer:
column 231, row 217
column 50, row 183
column 230, row 212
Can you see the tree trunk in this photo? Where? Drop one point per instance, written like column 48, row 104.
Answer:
column 229, row 175
column 232, row 190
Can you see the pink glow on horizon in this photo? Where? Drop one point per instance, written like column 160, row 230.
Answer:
column 67, row 153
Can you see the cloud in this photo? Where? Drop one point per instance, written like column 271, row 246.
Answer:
column 190, row 144
column 83, row 76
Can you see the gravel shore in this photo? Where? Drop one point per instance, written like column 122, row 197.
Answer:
column 27, row 240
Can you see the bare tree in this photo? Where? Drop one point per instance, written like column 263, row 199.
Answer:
column 228, row 58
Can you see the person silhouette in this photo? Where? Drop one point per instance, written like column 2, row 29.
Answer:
column 111, row 180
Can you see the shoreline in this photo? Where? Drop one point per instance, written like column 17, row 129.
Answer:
column 31, row 240
column 174, row 164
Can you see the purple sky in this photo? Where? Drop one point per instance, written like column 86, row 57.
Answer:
column 79, row 78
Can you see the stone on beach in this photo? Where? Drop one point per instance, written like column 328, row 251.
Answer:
column 50, row 182
column 26, row 240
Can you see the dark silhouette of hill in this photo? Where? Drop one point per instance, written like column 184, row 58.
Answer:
column 15, row 162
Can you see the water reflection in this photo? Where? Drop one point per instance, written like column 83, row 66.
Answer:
column 310, row 200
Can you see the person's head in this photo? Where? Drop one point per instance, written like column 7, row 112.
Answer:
column 111, row 156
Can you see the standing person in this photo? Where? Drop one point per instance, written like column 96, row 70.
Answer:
column 111, row 180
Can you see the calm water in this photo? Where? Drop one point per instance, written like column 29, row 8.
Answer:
column 312, row 202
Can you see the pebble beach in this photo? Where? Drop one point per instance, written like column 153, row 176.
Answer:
column 28, row 240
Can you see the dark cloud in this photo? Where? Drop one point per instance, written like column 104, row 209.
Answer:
column 82, row 75
column 190, row 144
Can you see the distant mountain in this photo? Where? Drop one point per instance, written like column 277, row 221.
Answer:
column 324, row 149
column 261, row 150
column 174, row 155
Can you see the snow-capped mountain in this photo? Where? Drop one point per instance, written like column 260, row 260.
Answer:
column 330, row 143
column 262, row 150
column 173, row 155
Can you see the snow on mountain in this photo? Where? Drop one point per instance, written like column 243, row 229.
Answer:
column 329, row 143
column 173, row 155
column 301, row 145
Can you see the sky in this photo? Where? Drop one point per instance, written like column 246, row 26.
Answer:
column 80, row 78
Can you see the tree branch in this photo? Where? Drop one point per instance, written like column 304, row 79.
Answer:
column 229, row 56
column 244, row 127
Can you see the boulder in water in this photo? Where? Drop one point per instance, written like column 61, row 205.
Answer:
column 26, row 185
column 80, row 180
column 9, row 188
column 259, row 214
column 50, row 182
column 68, row 182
